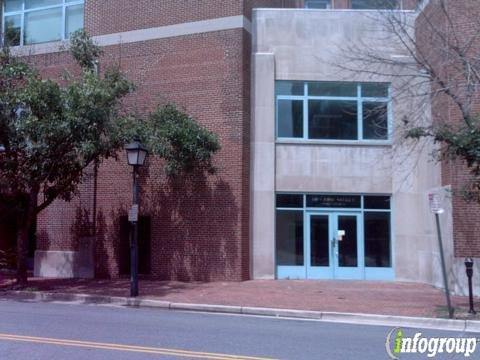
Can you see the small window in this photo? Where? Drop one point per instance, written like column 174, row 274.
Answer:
column 43, row 26
column 318, row 4
column 37, row 21
column 376, row 90
column 33, row 4
column 289, row 238
column 13, row 5
column 332, row 120
column 377, row 202
column 289, row 88
column 13, row 30
column 290, row 118
column 73, row 19
column 375, row 4
column 338, row 89
column 289, row 201
column 375, row 120
column 377, row 239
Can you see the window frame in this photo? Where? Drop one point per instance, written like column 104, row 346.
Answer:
column 63, row 5
column 327, row 2
column 398, row 6
column 305, row 209
column 358, row 98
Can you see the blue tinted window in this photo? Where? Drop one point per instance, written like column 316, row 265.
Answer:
column 318, row 4
column 38, row 21
column 289, row 201
column 333, row 110
column 374, row 4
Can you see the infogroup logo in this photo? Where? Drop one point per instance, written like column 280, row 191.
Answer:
column 398, row 344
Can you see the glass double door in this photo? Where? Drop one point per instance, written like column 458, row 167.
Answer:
column 334, row 246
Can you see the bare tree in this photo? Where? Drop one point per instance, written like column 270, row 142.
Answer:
column 432, row 56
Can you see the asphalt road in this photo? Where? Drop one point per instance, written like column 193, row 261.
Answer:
column 47, row 331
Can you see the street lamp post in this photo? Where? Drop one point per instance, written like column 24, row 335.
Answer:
column 136, row 155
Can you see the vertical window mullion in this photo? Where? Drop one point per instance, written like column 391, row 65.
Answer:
column 276, row 117
column 22, row 25
column 306, row 115
column 359, row 112
column 389, row 114
column 3, row 23
column 64, row 21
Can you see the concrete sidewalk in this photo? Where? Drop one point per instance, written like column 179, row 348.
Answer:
column 366, row 297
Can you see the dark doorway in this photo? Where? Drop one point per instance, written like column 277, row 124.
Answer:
column 8, row 244
column 32, row 245
column 144, row 250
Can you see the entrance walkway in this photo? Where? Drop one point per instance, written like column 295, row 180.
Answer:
column 388, row 298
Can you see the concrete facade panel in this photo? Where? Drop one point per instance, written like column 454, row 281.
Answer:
column 333, row 169
column 311, row 46
column 262, row 210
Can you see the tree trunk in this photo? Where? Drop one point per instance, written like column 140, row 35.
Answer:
column 22, row 252
column 23, row 235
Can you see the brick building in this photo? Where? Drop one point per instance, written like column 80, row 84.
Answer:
column 446, row 25
column 295, row 196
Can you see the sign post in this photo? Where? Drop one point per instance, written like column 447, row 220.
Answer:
column 437, row 210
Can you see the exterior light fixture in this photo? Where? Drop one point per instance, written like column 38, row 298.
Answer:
column 136, row 156
column 136, row 153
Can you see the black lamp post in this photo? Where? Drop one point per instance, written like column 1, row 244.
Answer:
column 136, row 155
column 469, row 269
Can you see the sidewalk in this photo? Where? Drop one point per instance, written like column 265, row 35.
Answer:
column 368, row 297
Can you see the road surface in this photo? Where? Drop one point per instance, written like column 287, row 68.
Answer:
column 46, row 331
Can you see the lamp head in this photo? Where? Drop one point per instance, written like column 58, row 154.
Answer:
column 136, row 153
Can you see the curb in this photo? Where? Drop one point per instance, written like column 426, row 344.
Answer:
column 336, row 317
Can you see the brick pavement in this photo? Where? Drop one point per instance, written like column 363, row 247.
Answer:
column 388, row 298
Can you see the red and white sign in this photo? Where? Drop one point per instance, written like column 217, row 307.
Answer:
column 133, row 214
column 435, row 206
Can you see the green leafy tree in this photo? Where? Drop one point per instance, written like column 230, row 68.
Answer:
column 51, row 133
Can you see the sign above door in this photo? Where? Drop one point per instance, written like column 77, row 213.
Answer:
column 334, row 201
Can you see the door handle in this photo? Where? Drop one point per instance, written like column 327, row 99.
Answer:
column 334, row 247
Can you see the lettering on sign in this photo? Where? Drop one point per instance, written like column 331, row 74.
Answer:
column 435, row 206
column 334, row 201
column 133, row 213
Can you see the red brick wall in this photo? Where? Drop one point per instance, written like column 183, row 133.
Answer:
column 110, row 16
column 463, row 16
column 200, row 228
column 199, row 224
column 336, row 4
